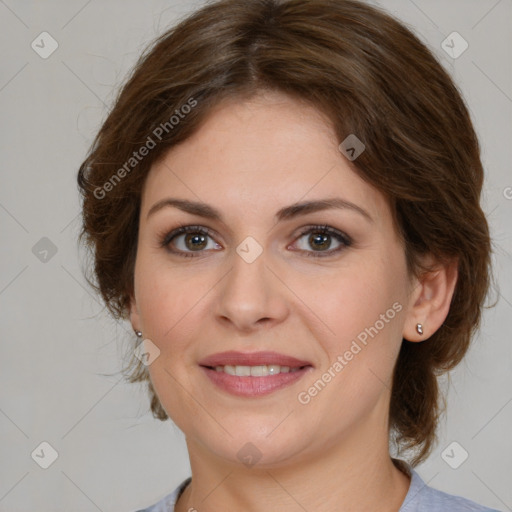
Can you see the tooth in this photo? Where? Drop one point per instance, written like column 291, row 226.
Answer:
column 243, row 371
column 229, row 369
column 273, row 369
column 255, row 371
column 259, row 371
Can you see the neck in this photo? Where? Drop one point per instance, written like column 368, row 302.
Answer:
column 356, row 474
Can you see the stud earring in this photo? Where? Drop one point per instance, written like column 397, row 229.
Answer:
column 139, row 334
column 419, row 328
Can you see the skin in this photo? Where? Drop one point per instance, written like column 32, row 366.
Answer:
column 249, row 159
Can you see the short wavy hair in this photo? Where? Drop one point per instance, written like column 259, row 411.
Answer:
column 372, row 77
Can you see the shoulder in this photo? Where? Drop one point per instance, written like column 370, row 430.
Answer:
column 423, row 498
column 166, row 504
column 419, row 498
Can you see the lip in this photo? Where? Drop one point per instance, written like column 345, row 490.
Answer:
column 253, row 386
column 235, row 358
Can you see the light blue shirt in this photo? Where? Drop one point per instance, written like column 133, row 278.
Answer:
column 419, row 498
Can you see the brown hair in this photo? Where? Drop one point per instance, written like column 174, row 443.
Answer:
column 373, row 78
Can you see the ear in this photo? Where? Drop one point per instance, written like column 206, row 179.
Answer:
column 134, row 315
column 430, row 299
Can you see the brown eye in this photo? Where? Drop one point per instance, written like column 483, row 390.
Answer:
column 186, row 240
column 195, row 242
column 320, row 239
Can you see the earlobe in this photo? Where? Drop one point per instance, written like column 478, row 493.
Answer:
column 134, row 315
column 430, row 304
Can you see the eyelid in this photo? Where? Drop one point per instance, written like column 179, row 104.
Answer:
column 168, row 236
column 326, row 228
column 345, row 240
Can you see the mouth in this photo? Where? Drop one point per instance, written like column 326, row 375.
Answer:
column 253, row 374
column 256, row 371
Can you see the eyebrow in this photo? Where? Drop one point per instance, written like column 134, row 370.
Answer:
column 286, row 213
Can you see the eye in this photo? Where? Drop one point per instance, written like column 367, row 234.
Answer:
column 320, row 237
column 187, row 240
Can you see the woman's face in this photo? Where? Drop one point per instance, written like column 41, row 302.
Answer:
column 260, row 277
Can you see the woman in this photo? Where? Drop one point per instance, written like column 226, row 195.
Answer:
column 284, row 201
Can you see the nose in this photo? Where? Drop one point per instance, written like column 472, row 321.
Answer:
column 251, row 295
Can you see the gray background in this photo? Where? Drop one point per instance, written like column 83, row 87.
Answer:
column 57, row 341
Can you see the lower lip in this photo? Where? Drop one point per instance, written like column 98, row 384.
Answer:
column 254, row 386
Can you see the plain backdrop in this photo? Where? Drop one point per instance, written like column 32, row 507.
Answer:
column 59, row 349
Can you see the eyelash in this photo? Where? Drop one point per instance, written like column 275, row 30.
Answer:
column 341, row 237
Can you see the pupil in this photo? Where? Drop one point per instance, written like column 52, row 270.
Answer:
column 322, row 239
column 194, row 238
column 319, row 239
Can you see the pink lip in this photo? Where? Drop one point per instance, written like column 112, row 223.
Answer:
column 253, row 386
column 234, row 358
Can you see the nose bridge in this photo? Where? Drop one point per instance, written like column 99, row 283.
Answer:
column 250, row 292
column 249, row 267
column 247, row 281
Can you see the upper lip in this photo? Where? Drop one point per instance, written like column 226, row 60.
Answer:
column 235, row 358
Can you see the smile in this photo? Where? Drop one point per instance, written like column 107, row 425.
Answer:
column 253, row 374
column 256, row 371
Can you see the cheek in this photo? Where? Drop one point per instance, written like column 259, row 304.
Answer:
column 169, row 302
column 353, row 298
column 364, row 311
column 175, row 305
column 164, row 296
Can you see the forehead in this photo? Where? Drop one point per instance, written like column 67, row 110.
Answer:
column 258, row 154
